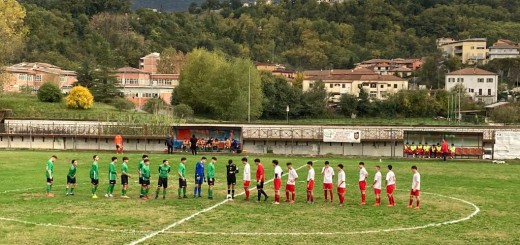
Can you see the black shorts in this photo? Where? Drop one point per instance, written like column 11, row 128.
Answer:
column 124, row 179
column 71, row 180
column 94, row 181
column 112, row 181
column 140, row 180
column 163, row 182
column 260, row 185
column 232, row 180
column 211, row 181
column 146, row 183
column 49, row 180
column 182, row 183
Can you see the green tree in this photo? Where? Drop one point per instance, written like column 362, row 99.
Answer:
column 314, row 101
column 49, row 92
column 219, row 86
column 171, row 61
column 277, row 95
column 348, row 104
column 155, row 105
column 507, row 114
column 100, row 82
column 12, row 29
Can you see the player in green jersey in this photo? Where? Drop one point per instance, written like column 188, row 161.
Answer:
column 211, row 176
column 139, row 167
column 49, row 173
column 145, row 172
column 71, row 178
column 181, row 171
column 94, row 175
column 164, row 170
column 124, row 177
column 112, row 175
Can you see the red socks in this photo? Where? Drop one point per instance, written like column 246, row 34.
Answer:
column 247, row 195
column 378, row 200
column 417, row 203
column 293, row 196
column 331, row 196
column 341, row 199
column 325, row 193
column 277, row 198
column 363, row 197
column 287, row 196
column 410, row 202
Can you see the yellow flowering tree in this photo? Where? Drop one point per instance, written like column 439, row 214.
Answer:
column 79, row 98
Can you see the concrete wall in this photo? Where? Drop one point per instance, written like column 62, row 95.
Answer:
column 70, row 143
column 321, row 148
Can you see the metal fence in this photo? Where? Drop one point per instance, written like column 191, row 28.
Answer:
column 101, row 129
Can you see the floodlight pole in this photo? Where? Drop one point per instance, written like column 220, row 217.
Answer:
column 249, row 98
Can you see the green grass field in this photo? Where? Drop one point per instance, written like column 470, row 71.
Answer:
column 28, row 217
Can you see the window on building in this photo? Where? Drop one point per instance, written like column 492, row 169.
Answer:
column 490, row 80
column 383, row 94
column 489, row 91
column 22, row 77
column 331, row 85
column 479, row 91
column 38, row 78
column 131, row 81
column 460, row 80
column 373, row 85
column 382, row 86
column 311, row 85
column 366, row 84
column 373, row 94
column 389, row 85
column 343, row 85
column 395, row 85
column 63, row 79
column 480, row 80
column 471, row 90
column 451, row 80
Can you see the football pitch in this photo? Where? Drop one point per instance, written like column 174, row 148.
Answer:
column 462, row 202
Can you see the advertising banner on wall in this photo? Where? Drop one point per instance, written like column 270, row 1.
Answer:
column 341, row 135
column 507, row 145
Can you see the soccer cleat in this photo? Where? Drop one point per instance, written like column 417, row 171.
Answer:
column 276, row 203
column 106, row 195
column 210, row 198
column 409, row 206
column 66, row 194
column 125, row 197
column 163, row 197
column 292, row 202
column 287, row 200
column 72, row 194
column 389, row 205
column 94, row 196
column 146, row 198
column 376, row 205
column 341, row 205
column 185, row 196
column 265, row 199
column 156, row 196
column 362, row 203
column 110, row 195
column 416, row 208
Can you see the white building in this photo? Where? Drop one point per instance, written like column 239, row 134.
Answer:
column 340, row 82
column 503, row 51
column 480, row 84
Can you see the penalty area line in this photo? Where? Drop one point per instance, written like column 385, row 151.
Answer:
column 165, row 229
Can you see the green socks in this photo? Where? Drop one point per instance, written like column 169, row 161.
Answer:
column 94, row 189
column 184, row 191
column 66, row 190
column 164, row 193
column 210, row 193
column 48, row 188
column 71, row 190
column 123, row 192
column 157, row 192
column 179, row 191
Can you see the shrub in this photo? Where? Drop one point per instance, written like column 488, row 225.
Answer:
column 49, row 92
column 122, row 104
column 182, row 111
column 155, row 105
column 79, row 98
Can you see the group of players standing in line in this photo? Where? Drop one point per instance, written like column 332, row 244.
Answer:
column 143, row 170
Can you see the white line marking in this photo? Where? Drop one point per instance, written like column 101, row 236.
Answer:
column 475, row 212
column 155, row 233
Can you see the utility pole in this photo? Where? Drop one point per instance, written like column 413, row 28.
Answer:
column 249, row 98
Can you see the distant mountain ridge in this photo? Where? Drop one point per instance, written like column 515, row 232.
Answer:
column 165, row 5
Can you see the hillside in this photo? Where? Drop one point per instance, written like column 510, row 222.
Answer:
column 165, row 5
